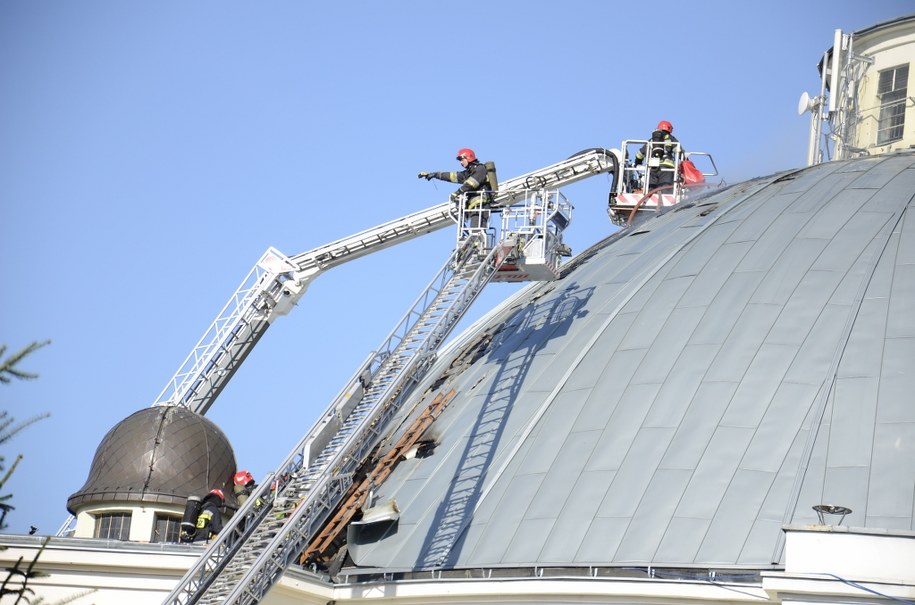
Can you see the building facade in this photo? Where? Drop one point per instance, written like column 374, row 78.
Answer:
column 865, row 105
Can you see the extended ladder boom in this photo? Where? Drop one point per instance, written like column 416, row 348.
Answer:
column 580, row 166
column 277, row 522
column 277, row 282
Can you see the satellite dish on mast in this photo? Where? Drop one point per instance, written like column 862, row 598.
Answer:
column 805, row 104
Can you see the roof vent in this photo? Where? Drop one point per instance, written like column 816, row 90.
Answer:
column 828, row 512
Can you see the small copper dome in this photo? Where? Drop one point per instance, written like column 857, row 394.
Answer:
column 161, row 454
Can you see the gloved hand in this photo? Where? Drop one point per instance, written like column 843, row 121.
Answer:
column 426, row 175
column 455, row 197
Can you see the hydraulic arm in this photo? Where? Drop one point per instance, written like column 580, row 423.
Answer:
column 277, row 282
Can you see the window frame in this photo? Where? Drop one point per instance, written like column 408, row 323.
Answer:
column 172, row 528
column 113, row 525
column 892, row 90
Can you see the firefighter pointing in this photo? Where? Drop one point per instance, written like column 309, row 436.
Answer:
column 478, row 183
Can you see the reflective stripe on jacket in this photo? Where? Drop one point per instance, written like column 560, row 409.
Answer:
column 662, row 146
column 473, row 182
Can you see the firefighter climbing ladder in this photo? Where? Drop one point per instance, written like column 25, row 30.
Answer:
column 276, row 283
column 280, row 518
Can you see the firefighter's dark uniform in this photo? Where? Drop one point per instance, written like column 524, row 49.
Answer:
column 474, row 185
column 662, row 145
column 209, row 521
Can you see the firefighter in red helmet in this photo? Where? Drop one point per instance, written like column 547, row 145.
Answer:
column 664, row 147
column 477, row 185
column 209, row 521
column 244, row 486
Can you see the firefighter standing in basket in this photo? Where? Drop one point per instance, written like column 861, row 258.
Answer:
column 477, row 185
column 664, row 146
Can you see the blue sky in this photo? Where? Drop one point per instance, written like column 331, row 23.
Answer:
column 150, row 152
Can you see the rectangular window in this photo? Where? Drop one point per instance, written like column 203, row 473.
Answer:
column 113, row 526
column 166, row 528
column 891, row 91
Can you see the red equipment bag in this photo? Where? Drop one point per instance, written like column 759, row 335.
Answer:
column 691, row 175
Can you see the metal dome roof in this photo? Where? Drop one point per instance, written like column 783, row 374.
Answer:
column 687, row 387
column 160, row 454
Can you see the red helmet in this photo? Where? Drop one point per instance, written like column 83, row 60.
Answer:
column 218, row 493
column 665, row 125
column 466, row 154
column 243, row 478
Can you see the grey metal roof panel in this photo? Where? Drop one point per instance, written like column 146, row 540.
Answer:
column 700, row 423
column 896, row 381
column 682, row 538
column 711, row 475
column 685, row 389
column 649, row 523
column 738, row 507
column 899, row 322
column 776, row 285
column 567, row 533
column 604, row 533
column 890, row 489
column 680, row 381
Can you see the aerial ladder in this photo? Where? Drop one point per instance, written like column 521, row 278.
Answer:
column 277, row 282
column 287, row 511
column 277, row 521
